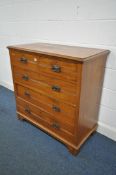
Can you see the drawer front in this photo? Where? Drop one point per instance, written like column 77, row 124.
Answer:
column 60, row 110
column 55, row 67
column 60, row 68
column 56, row 89
column 24, row 60
column 34, row 112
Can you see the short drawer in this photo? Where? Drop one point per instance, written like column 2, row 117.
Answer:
column 60, row 110
column 35, row 112
column 57, row 89
column 24, row 60
column 55, row 67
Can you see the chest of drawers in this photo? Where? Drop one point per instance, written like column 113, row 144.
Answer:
column 58, row 89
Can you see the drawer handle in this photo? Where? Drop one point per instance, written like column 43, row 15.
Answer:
column 27, row 110
column 27, row 94
column 23, row 60
column 56, row 125
column 56, row 68
column 56, row 108
column 56, row 88
column 25, row 77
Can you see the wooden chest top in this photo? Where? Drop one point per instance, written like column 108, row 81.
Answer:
column 70, row 52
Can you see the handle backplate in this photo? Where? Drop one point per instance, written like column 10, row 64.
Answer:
column 26, row 93
column 27, row 110
column 23, row 60
column 56, row 88
column 56, row 125
column 25, row 77
column 56, row 108
column 56, row 68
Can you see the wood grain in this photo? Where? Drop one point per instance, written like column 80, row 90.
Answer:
column 44, row 64
column 91, row 88
column 58, row 89
column 45, row 85
column 67, row 112
column 63, row 51
column 33, row 111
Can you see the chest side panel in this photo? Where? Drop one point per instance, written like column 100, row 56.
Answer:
column 91, row 89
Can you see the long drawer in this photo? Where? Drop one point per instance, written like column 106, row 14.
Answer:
column 57, row 89
column 37, row 113
column 67, row 70
column 60, row 110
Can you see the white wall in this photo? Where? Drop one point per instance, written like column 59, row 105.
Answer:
column 74, row 22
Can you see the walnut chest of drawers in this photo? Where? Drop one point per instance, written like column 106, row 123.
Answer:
column 58, row 89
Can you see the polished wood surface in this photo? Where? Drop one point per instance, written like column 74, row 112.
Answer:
column 46, row 64
column 91, row 87
column 58, row 89
column 63, row 51
column 54, row 88
column 34, row 111
column 60, row 110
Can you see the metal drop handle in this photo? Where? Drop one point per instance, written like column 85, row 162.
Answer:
column 56, row 68
column 56, row 88
column 55, row 125
column 23, row 60
column 25, row 77
column 56, row 108
column 27, row 93
column 27, row 110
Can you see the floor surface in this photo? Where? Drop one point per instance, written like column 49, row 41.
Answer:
column 26, row 150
